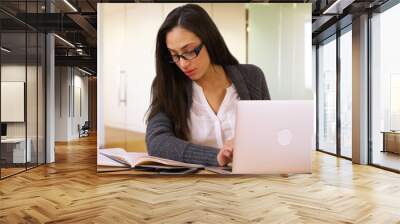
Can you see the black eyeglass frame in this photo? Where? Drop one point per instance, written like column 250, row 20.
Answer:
column 196, row 50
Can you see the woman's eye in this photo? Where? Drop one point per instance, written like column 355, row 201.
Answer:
column 188, row 53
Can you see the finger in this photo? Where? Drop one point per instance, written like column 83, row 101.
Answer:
column 231, row 156
column 227, row 153
column 229, row 149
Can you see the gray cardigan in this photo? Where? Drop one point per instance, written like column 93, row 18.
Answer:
column 161, row 141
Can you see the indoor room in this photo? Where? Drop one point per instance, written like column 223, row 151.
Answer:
column 162, row 111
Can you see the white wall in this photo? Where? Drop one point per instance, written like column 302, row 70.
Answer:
column 71, row 86
column 280, row 43
column 12, row 101
column 61, row 103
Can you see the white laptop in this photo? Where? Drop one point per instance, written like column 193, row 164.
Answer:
column 273, row 137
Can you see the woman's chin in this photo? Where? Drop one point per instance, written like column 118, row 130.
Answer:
column 193, row 77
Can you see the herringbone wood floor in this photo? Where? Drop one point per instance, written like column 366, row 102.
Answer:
column 70, row 191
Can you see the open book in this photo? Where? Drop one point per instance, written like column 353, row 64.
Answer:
column 120, row 158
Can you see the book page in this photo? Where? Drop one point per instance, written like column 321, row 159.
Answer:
column 135, row 156
column 118, row 155
column 103, row 160
column 147, row 160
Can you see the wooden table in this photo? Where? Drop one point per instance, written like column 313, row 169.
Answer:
column 102, row 170
column 114, row 171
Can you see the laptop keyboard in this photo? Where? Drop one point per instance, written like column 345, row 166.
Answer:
column 227, row 168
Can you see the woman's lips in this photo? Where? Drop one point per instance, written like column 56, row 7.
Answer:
column 189, row 72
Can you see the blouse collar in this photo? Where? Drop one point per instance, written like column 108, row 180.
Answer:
column 236, row 76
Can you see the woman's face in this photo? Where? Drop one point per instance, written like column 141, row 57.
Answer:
column 182, row 41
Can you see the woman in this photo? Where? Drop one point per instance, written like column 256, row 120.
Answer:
column 197, row 85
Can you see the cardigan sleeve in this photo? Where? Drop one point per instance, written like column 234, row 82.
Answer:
column 162, row 142
column 264, row 87
column 255, row 82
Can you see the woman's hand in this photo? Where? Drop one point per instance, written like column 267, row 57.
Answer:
column 225, row 155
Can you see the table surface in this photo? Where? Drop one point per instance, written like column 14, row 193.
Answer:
column 104, row 170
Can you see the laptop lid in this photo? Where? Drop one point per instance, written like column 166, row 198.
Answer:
column 273, row 137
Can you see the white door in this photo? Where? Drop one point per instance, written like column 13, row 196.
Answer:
column 114, row 73
column 140, row 45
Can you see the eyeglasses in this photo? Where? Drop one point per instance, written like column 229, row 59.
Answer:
column 187, row 55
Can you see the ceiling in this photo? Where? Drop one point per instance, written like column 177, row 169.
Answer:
column 76, row 22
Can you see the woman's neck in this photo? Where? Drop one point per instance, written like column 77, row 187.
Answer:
column 215, row 78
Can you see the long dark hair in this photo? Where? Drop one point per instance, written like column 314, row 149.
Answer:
column 170, row 90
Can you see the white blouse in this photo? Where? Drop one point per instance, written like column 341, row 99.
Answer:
column 206, row 127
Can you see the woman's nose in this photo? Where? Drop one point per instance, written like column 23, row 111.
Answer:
column 184, row 63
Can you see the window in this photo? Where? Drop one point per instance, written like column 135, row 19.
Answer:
column 385, row 89
column 346, row 93
column 327, row 96
column 22, row 76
